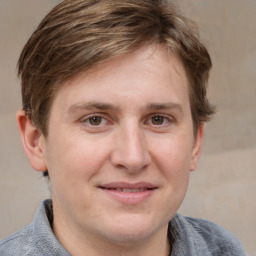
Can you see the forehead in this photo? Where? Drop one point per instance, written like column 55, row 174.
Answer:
column 153, row 57
column 143, row 72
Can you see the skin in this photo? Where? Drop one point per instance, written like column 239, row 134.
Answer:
column 127, row 124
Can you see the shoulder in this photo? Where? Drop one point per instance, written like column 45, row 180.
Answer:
column 217, row 239
column 19, row 243
column 35, row 239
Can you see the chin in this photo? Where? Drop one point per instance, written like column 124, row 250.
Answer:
column 133, row 229
column 128, row 237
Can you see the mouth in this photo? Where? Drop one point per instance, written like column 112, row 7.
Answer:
column 127, row 193
column 128, row 187
column 128, row 190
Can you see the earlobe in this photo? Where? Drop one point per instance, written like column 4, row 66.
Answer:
column 197, row 147
column 33, row 141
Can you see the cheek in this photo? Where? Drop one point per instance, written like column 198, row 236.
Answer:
column 173, row 156
column 76, row 159
column 72, row 165
column 173, row 164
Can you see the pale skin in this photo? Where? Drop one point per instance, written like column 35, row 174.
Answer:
column 119, row 151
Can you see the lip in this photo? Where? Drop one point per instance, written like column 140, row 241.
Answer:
column 129, row 193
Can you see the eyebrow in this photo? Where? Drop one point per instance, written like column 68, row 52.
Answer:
column 91, row 105
column 164, row 106
column 107, row 106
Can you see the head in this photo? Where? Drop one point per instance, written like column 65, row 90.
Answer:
column 76, row 36
column 114, row 95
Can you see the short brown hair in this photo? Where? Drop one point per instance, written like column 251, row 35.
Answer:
column 77, row 35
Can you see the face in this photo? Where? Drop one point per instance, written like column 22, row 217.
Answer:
column 120, row 147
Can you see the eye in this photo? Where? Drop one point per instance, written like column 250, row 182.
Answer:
column 95, row 120
column 158, row 120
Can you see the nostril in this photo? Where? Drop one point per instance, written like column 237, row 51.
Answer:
column 120, row 166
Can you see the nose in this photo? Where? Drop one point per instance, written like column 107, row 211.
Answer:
column 130, row 150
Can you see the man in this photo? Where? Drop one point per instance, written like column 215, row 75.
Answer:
column 114, row 101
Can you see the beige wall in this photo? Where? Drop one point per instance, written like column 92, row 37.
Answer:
column 223, row 189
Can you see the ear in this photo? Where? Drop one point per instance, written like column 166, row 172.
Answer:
column 33, row 141
column 197, row 148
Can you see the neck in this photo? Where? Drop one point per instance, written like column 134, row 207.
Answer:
column 78, row 244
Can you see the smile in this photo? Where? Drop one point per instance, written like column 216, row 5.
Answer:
column 130, row 190
column 126, row 193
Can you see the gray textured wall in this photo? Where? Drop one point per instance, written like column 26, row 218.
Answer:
column 223, row 189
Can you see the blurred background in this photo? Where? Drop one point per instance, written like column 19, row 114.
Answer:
column 223, row 188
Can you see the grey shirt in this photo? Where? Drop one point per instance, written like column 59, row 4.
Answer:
column 187, row 236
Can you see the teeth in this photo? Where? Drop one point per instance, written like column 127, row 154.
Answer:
column 131, row 190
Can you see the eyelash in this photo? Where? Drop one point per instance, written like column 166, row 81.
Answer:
column 97, row 115
column 167, row 120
